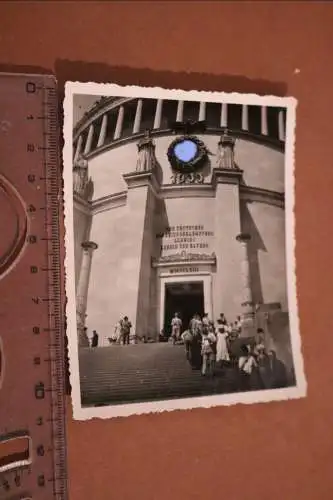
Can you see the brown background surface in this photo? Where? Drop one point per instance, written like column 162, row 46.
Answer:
column 267, row 451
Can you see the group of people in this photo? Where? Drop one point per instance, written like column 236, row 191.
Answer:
column 122, row 332
column 209, row 345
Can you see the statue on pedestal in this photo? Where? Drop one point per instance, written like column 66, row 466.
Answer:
column 82, row 184
column 225, row 152
column 146, row 161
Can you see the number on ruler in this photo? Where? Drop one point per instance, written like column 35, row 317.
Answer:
column 40, row 450
column 31, row 148
column 32, row 239
column 39, row 391
column 33, row 269
column 36, row 330
column 31, row 208
column 30, row 87
column 41, row 480
column 6, row 485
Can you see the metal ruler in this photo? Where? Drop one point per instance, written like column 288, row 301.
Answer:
column 32, row 375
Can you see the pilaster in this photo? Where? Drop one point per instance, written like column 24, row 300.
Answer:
column 135, row 265
column 247, row 306
column 227, row 281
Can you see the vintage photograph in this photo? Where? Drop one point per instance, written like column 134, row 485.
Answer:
column 180, row 264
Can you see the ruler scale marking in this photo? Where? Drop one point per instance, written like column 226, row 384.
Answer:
column 34, row 117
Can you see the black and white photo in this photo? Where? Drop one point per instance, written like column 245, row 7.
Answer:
column 180, row 265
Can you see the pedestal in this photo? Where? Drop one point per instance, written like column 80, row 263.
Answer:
column 82, row 292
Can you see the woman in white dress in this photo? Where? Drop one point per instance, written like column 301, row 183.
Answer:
column 222, row 352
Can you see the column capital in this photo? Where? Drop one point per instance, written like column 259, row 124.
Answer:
column 89, row 245
column 226, row 176
column 243, row 237
column 140, row 179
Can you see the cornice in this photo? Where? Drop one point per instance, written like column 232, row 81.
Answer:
column 187, row 191
column 109, row 202
column 226, row 176
column 254, row 194
column 82, row 205
column 140, row 179
column 182, row 258
column 249, row 194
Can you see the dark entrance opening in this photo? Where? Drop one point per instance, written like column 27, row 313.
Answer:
column 186, row 299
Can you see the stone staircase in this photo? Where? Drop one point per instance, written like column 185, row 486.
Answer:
column 145, row 372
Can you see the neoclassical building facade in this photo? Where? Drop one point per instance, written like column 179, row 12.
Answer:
column 179, row 206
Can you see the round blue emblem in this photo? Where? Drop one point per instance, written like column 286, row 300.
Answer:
column 186, row 150
column 187, row 154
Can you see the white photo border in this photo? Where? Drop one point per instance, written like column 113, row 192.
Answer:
column 123, row 410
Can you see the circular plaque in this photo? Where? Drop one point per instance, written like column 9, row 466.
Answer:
column 187, row 154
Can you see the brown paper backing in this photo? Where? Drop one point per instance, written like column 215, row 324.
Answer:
column 262, row 451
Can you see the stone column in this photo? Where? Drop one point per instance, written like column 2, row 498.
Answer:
column 102, row 134
column 227, row 283
column 248, row 315
column 224, row 115
column 119, row 124
column 87, row 147
column 137, row 119
column 180, row 111
column 281, row 126
column 264, row 126
column 245, row 117
column 158, row 114
column 78, row 148
column 202, row 112
column 82, row 291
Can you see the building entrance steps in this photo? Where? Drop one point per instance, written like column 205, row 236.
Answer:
column 145, row 372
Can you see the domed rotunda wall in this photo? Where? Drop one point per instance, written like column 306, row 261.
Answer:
column 201, row 220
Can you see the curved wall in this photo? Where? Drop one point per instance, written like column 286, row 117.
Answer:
column 263, row 166
column 107, row 295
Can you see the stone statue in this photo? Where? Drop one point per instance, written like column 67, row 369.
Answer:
column 225, row 152
column 146, row 154
column 82, row 183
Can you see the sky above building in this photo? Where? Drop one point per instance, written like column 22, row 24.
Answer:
column 81, row 104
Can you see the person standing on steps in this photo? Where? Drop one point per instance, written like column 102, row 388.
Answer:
column 205, row 323
column 176, row 325
column 187, row 338
column 208, row 351
column 125, row 328
column 246, row 365
column 94, row 340
column 195, row 348
column 222, row 352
